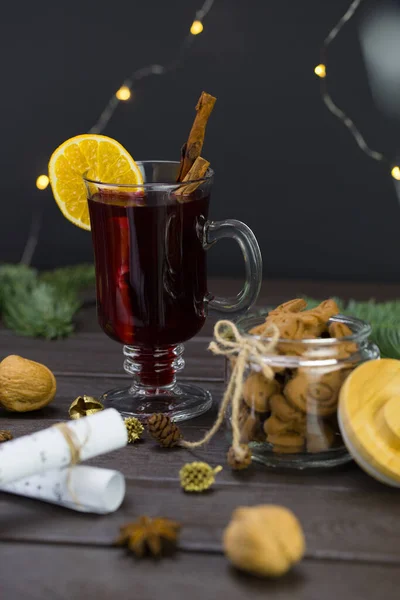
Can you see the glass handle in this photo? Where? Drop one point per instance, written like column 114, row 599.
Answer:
column 216, row 230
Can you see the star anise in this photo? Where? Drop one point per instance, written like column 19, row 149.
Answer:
column 148, row 534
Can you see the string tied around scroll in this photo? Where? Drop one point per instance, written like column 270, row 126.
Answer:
column 75, row 447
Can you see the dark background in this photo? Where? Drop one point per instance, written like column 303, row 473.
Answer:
column 319, row 207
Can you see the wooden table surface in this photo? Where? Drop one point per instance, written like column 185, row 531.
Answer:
column 351, row 522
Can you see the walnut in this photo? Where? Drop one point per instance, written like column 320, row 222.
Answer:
column 265, row 540
column 25, row 385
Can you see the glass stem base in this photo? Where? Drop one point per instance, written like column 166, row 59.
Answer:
column 154, row 388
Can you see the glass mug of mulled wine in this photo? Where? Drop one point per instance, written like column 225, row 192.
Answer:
column 150, row 244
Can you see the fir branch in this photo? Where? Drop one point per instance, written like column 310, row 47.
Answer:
column 38, row 310
column 42, row 305
column 384, row 318
column 10, row 275
column 77, row 277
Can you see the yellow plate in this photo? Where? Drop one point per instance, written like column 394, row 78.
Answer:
column 103, row 158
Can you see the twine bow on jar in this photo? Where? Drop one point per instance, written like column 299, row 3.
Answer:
column 246, row 349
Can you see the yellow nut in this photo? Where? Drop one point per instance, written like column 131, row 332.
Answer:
column 25, row 385
column 257, row 391
column 265, row 540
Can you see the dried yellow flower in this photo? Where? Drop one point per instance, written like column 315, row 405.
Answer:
column 197, row 476
column 134, row 429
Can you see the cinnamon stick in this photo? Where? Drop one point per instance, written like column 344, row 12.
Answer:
column 197, row 171
column 192, row 149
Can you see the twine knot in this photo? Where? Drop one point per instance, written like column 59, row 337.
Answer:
column 73, row 443
column 245, row 346
column 246, row 349
column 75, row 447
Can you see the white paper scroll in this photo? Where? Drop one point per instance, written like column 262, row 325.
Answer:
column 48, row 449
column 81, row 488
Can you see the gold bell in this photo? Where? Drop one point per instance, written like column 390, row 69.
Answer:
column 83, row 406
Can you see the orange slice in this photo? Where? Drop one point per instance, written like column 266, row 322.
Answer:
column 102, row 158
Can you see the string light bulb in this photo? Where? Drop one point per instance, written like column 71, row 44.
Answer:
column 150, row 70
column 396, row 173
column 320, row 70
column 42, row 182
column 196, row 28
column 124, row 93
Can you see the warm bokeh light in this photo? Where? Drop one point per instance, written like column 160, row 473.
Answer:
column 396, row 173
column 320, row 70
column 42, row 182
column 196, row 28
column 124, row 93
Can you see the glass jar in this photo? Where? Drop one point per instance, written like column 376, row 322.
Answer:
column 290, row 421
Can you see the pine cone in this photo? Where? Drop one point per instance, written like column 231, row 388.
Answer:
column 197, row 476
column 162, row 429
column 237, row 463
column 134, row 429
column 5, row 435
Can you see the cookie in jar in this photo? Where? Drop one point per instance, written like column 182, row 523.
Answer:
column 290, row 419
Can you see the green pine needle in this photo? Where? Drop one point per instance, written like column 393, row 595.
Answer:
column 42, row 305
column 384, row 318
column 39, row 311
column 77, row 277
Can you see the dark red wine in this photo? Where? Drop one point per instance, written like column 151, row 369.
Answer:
column 150, row 267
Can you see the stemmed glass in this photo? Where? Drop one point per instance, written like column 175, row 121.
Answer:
column 150, row 244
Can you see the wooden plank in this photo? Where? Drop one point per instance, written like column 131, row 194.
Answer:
column 275, row 291
column 69, row 387
column 335, row 493
column 347, row 516
column 96, row 354
column 167, row 463
column 338, row 523
column 48, row 573
column 91, row 351
column 136, row 460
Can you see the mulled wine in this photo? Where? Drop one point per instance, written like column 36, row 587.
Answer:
column 150, row 242
column 150, row 266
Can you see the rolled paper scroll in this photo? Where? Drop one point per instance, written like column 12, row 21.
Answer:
column 62, row 445
column 81, row 488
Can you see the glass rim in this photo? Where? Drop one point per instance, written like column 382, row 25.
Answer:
column 165, row 185
column 363, row 331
